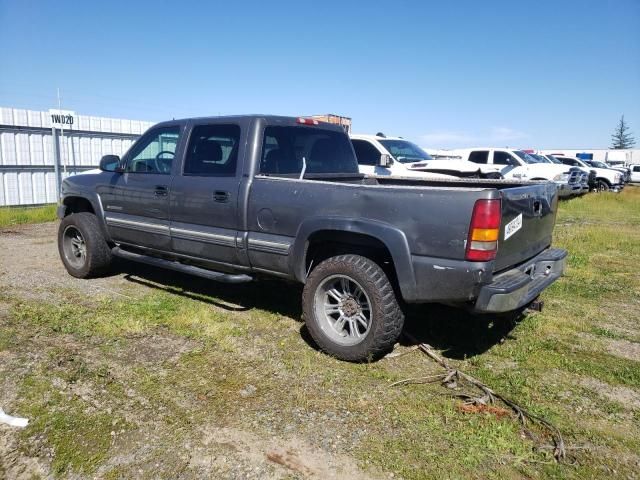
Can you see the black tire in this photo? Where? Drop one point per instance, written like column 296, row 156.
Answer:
column 603, row 186
column 386, row 318
column 97, row 254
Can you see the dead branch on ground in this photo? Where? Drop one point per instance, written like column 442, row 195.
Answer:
column 454, row 378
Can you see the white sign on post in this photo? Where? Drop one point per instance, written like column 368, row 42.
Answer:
column 62, row 118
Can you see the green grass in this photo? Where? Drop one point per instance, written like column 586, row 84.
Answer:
column 176, row 359
column 10, row 216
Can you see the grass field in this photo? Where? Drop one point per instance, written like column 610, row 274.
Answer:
column 141, row 383
column 10, row 216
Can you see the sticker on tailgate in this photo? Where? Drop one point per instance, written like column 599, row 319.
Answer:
column 513, row 226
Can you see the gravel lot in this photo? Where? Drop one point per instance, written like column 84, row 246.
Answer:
column 31, row 271
column 150, row 374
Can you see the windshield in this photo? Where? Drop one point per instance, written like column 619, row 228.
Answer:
column 540, row 158
column 598, row 164
column 553, row 159
column 405, row 151
column 526, row 157
column 580, row 163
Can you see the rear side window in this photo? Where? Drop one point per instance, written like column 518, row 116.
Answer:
column 286, row 149
column 213, row 150
column 366, row 153
column 636, row 168
column 479, row 156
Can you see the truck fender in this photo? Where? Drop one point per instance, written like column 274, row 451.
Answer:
column 393, row 238
column 94, row 201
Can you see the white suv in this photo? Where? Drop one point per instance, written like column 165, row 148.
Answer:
column 406, row 159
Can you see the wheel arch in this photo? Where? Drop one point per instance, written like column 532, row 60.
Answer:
column 77, row 204
column 71, row 204
column 319, row 238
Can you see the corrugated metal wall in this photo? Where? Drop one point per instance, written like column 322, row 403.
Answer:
column 27, row 157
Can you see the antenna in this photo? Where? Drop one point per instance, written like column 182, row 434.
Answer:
column 304, row 167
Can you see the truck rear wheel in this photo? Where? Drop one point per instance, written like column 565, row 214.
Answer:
column 350, row 308
column 82, row 247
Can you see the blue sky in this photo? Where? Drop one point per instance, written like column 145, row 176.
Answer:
column 538, row 74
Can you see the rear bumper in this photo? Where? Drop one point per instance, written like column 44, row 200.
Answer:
column 518, row 287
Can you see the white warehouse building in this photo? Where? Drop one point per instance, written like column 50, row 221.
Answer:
column 31, row 141
column 627, row 157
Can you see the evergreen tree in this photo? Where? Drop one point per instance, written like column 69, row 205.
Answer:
column 621, row 137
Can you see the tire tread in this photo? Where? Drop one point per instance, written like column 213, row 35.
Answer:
column 99, row 256
column 385, row 334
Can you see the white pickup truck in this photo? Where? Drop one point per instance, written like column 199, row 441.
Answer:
column 606, row 179
column 406, row 159
column 635, row 173
column 519, row 165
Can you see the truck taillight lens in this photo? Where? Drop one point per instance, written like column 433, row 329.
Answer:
column 482, row 244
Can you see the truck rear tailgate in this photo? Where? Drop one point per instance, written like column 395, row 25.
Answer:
column 528, row 218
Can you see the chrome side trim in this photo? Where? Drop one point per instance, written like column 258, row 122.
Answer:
column 133, row 224
column 268, row 246
column 215, row 238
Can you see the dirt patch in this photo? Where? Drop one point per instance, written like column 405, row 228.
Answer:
column 13, row 463
column 31, row 268
column 292, row 455
column 156, row 349
column 224, row 453
column 625, row 396
column 623, row 348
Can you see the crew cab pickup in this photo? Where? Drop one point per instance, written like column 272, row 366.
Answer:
column 605, row 178
column 234, row 198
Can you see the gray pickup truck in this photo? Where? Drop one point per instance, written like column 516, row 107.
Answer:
column 234, row 198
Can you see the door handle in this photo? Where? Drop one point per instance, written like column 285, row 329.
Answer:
column 221, row 196
column 161, row 191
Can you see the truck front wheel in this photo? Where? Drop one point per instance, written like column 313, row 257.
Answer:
column 82, row 247
column 603, row 185
column 350, row 308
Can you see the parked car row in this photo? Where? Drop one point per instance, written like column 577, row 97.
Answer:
column 602, row 177
column 394, row 156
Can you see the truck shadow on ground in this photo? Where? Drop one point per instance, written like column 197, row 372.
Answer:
column 457, row 333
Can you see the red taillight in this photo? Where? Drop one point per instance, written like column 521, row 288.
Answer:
column 308, row 121
column 482, row 243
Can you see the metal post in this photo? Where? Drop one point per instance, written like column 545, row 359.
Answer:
column 56, row 161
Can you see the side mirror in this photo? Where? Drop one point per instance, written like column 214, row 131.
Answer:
column 110, row 163
column 385, row 160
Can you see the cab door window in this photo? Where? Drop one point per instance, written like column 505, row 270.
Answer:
column 155, row 152
column 503, row 158
column 366, row 153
